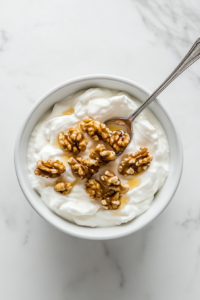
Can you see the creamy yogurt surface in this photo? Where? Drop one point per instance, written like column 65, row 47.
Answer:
column 100, row 104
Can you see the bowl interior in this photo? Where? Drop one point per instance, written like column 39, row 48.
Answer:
column 162, row 198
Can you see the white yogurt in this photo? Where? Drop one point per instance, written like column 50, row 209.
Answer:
column 100, row 104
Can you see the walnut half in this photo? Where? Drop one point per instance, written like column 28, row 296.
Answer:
column 72, row 141
column 113, row 182
column 93, row 188
column 135, row 163
column 111, row 200
column 63, row 187
column 83, row 168
column 96, row 130
column 119, row 140
column 102, row 155
column 49, row 168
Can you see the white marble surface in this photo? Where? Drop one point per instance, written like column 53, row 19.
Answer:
column 44, row 42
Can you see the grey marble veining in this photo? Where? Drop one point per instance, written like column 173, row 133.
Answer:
column 43, row 43
column 4, row 39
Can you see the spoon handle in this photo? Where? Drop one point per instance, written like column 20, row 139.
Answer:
column 188, row 60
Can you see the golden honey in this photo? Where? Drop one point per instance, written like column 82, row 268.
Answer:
column 65, row 158
column 114, row 127
column 124, row 201
column 68, row 112
column 134, row 182
column 56, row 143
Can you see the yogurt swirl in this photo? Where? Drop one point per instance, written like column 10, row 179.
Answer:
column 100, row 104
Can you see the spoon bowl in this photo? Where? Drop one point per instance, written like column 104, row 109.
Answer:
column 120, row 124
column 124, row 125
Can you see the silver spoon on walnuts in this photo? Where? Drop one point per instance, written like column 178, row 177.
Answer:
column 126, row 124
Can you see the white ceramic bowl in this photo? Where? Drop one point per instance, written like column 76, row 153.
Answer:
column 162, row 198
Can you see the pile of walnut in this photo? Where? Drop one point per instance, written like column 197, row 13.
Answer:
column 111, row 199
column 118, row 140
column 109, row 188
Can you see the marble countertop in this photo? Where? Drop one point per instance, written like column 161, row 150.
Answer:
column 43, row 43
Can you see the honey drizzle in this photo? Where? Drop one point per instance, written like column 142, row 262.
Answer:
column 56, row 143
column 114, row 127
column 65, row 158
column 124, row 201
column 134, row 182
column 68, row 112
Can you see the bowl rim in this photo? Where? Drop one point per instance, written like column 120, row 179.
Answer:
column 19, row 173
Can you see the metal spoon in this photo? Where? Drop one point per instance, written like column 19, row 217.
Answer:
column 188, row 60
